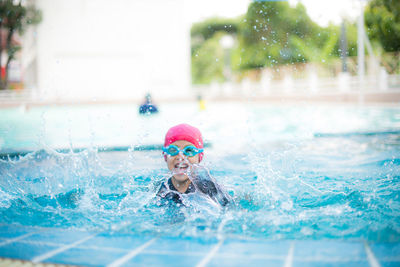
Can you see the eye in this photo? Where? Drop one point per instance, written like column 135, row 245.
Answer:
column 190, row 151
column 172, row 150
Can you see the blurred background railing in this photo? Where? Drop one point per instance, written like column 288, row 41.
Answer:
column 342, row 88
column 385, row 88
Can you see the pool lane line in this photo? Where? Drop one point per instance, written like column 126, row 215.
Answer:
column 16, row 154
column 210, row 254
column 289, row 257
column 51, row 253
column 351, row 134
column 15, row 239
column 131, row 254
column 373, row 262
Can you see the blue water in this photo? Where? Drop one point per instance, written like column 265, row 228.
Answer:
column 294, row 172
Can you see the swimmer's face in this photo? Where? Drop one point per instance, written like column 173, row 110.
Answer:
column 179, row 164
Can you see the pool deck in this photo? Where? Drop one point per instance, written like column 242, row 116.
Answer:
column 389, row 97
column 5, row 262
column 29, row 246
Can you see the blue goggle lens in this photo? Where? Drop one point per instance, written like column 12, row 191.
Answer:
column 172, row 150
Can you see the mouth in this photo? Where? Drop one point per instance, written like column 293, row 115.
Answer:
column 182, row 166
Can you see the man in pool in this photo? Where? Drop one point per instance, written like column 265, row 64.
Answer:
column 183, row 151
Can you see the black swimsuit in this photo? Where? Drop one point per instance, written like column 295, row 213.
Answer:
column 168, row 191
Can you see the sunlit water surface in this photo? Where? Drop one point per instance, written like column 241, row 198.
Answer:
column 286, row 182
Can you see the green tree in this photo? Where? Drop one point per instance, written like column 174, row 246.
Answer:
column 382, row 18
column 268, row 35
column 208, row 57
column 209, row 27
column 208, row 62
column 274, row 33
column 14, row 18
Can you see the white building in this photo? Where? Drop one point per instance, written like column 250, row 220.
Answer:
column 109, row 50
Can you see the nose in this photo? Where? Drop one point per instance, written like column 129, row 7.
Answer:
column 181, row 155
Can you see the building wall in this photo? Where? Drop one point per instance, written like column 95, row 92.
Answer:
column 119, row 49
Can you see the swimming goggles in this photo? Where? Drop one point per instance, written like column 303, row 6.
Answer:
column 189, row 151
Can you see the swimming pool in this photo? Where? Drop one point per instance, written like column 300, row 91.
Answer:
column 325, row 177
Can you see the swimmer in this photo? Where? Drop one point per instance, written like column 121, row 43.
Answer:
column 183, row 151
column 148, row 108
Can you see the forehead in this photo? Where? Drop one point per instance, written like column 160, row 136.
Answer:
column 182, row 143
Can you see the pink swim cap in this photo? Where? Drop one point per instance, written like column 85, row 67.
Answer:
column 184, row 132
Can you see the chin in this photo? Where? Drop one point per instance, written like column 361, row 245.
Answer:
column 181, row 177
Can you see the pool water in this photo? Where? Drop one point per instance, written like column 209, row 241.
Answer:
column 294, row 172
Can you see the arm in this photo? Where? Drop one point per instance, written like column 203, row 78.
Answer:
column 207, row 185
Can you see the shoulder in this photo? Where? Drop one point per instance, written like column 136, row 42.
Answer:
column 165, row 187
column 162, row 189
column 167, row 193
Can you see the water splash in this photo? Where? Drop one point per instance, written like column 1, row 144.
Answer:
column 284, row 183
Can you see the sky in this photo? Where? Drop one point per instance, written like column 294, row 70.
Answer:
column 321, row 11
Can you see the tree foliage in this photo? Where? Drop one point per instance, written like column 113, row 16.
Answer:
column 208, row 62
column 269, row 34
column 209, row 27
column 206, row 52
column 382, row 18
column 14, row 18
